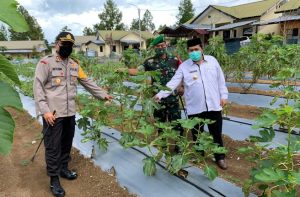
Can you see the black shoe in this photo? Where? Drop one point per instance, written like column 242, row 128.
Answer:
column 68, row 174
column 55, row 187
column 222, row 164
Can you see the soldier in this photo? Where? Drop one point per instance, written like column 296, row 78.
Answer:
column 167, row 65
column 55, row 87
column 206, row 91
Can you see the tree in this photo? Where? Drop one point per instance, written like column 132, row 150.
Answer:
column 16, row 21
column 135, row 25
column 35, row 31
column 66, row 28
column 186, row 11
column 161, row 27
column 110, row 18
column 146, row 22
column 3, row 33
column 88, row 32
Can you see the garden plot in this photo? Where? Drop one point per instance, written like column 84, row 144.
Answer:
column 256, row 100
column 128, row 165
column 258, row 86
column 138, row 128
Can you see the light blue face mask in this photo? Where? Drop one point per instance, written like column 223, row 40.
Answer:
column 195, row 55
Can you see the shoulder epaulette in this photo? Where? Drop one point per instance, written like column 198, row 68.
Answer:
column 75, row 60
column 44, row 59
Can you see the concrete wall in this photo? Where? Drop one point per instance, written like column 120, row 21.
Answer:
column 270, row 29
column 216, row 17
column 94, row 47
column 289, row 26
column 24, row 55
column 136, row 38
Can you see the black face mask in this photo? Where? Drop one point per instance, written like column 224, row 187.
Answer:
column 65, row 51
column 160, row 51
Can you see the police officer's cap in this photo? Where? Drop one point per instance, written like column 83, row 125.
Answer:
column 65, row 37
column 157, row 40
column 194, row 42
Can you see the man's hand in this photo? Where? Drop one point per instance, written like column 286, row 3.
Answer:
column 50, row 118
column 223, row 102
column 108, row 97
column 156, row 98
column 180, row 90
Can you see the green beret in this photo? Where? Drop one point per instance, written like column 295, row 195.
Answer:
column 157, row 40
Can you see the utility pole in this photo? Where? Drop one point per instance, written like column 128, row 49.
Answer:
column 139, row 13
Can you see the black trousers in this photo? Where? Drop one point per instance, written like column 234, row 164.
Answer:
column 58, row 143
column 215, row 129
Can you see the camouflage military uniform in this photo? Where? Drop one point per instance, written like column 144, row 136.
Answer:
column 170, row 107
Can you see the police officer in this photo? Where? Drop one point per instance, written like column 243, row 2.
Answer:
column 167, row 65
column 205, row 91
column 55, row 85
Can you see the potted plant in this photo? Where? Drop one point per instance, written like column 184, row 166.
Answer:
column 132, row 60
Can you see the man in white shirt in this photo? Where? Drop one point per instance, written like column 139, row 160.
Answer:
column 205, row 91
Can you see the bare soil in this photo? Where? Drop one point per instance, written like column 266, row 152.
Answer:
column 263, row 81
column 19, row 177
column 255, row 91
column 244, row 111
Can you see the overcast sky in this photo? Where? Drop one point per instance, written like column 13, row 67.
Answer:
column 52, row 15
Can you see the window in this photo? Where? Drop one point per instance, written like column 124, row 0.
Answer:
column 125, row 47
column 292, row 36
column 114, row 48
column 247, row 31
column 295, row 32
column 234, row 33
column 226, row 34
column 101, row 49
column 217, row 33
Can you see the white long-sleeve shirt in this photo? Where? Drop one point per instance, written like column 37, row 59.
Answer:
column 204, row 85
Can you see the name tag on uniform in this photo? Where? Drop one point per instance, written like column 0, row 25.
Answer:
column 56, row 68
column 193, row 71
column 73, row 69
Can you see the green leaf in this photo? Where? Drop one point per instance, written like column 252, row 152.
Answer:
column 149, row 167
column 83, row 123
column 245, row 150
column 211, row 172
column 296, row 175
column 219, row 150
column 8, row 69
column 10, row 16
column 129, row 140
column 7, row 126
column 85, row 140
column 126, row 138
column 269, row 175
column 263, row 187
column 295, row 143
column 268, row 118
column 189, row 123
column 103, row 144
column 279, row 193
column 8, row 97
column 267, row 135
column 246, row 187
column 147, row 130
column 177, row 163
